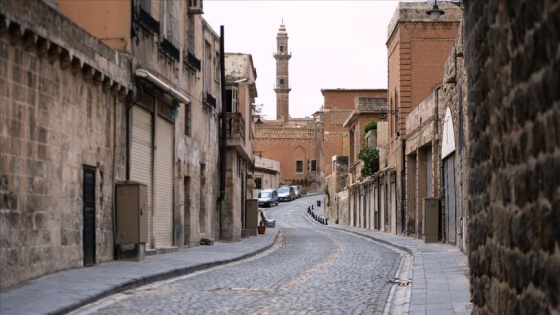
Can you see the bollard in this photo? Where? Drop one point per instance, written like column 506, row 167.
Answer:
column 326, row 221
column 311, row 207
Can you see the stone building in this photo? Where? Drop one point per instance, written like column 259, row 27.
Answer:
column 514, row 155
column 89, row 107
column 62, row 142
column 241, row 91
column 360, row 190
column 294, row 142
column 374, row 202
column 267, row 174
column 345, row 106
column 175, row 59
column 417, row 48
column 338, row 106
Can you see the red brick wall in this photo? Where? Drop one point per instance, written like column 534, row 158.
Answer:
column 339, row 104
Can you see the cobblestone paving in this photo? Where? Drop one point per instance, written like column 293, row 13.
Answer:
column 314, row 271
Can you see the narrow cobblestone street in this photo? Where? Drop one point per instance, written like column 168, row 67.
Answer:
column 312, row 270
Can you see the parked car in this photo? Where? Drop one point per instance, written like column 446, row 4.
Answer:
column 296, row 190
column 268, row 197
column 286, row 193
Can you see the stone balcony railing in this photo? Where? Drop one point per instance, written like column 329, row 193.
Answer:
column 235, row 128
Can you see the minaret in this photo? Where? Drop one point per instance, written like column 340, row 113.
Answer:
column 282, row 87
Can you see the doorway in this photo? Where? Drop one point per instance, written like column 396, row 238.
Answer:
column 88, row 232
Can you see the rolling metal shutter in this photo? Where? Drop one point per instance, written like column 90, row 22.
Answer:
column 141, row 156
column 163, row 214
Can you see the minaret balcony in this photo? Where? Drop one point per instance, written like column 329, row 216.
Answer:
column 282, row 55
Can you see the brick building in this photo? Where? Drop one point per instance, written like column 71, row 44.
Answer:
column 293, row 142
column 417, row 48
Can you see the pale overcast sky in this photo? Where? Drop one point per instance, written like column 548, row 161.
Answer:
column 334, row 44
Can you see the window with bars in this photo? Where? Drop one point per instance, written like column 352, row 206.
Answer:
column 299, row 166
column 187, row 120
column 313, row 165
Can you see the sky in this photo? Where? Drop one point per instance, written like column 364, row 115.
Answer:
column 334, row 44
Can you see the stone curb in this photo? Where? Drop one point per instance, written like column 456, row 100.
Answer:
column 166, row 275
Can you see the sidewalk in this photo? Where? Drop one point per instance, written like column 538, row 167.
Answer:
column 438, row 277
column 65, row 291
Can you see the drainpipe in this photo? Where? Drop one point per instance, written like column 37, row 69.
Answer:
column 403, row 189
column 223, row 133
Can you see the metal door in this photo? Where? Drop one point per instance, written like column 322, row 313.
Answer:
column 88, row 233
column 141, row 157
column 449, row 182
column 163, row 211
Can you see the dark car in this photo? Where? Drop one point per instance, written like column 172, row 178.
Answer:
column 268, row 198
column 286, row 193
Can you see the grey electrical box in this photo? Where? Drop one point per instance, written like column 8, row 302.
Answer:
column 430, row 223
column 132, row 212
column 252, row 213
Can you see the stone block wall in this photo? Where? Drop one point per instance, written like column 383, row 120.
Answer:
column 60, row 110
column 513, row 66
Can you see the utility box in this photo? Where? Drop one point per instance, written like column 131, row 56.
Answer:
column 132, row 212
column 252, row 215
column 430, row 222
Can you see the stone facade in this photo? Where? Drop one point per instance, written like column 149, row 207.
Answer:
column 453, row 144
column 267, row 174
column 241, row 89
column 63, row 109
column 513, row 66
column 85, row 113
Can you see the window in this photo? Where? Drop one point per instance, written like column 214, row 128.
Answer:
column 281, row 48
column 299, row 166
column 281, row 82
column 217, row 74
column 207, row 67
column 187, row 120
column 231, row 100
column 190, row 33
column 313, row 165
column 258, row 183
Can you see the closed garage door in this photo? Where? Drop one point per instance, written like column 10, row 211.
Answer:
column 163, row 213
column 141, row 156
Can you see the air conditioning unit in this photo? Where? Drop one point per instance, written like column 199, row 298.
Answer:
column 195, row 7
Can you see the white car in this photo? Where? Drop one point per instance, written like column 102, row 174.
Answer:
column 286, row 193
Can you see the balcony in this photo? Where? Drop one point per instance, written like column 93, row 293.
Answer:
column 191, row 61
column 235, row 130
column 195, row 7
column 148, row 22
column 209, row 100
column 170, row 51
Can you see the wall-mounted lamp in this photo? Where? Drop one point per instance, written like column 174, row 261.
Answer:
column 435, row 12
column 240, row 80
column 383, row 114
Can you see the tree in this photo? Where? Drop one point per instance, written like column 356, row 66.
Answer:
column 370, row 157
column 372, row 125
